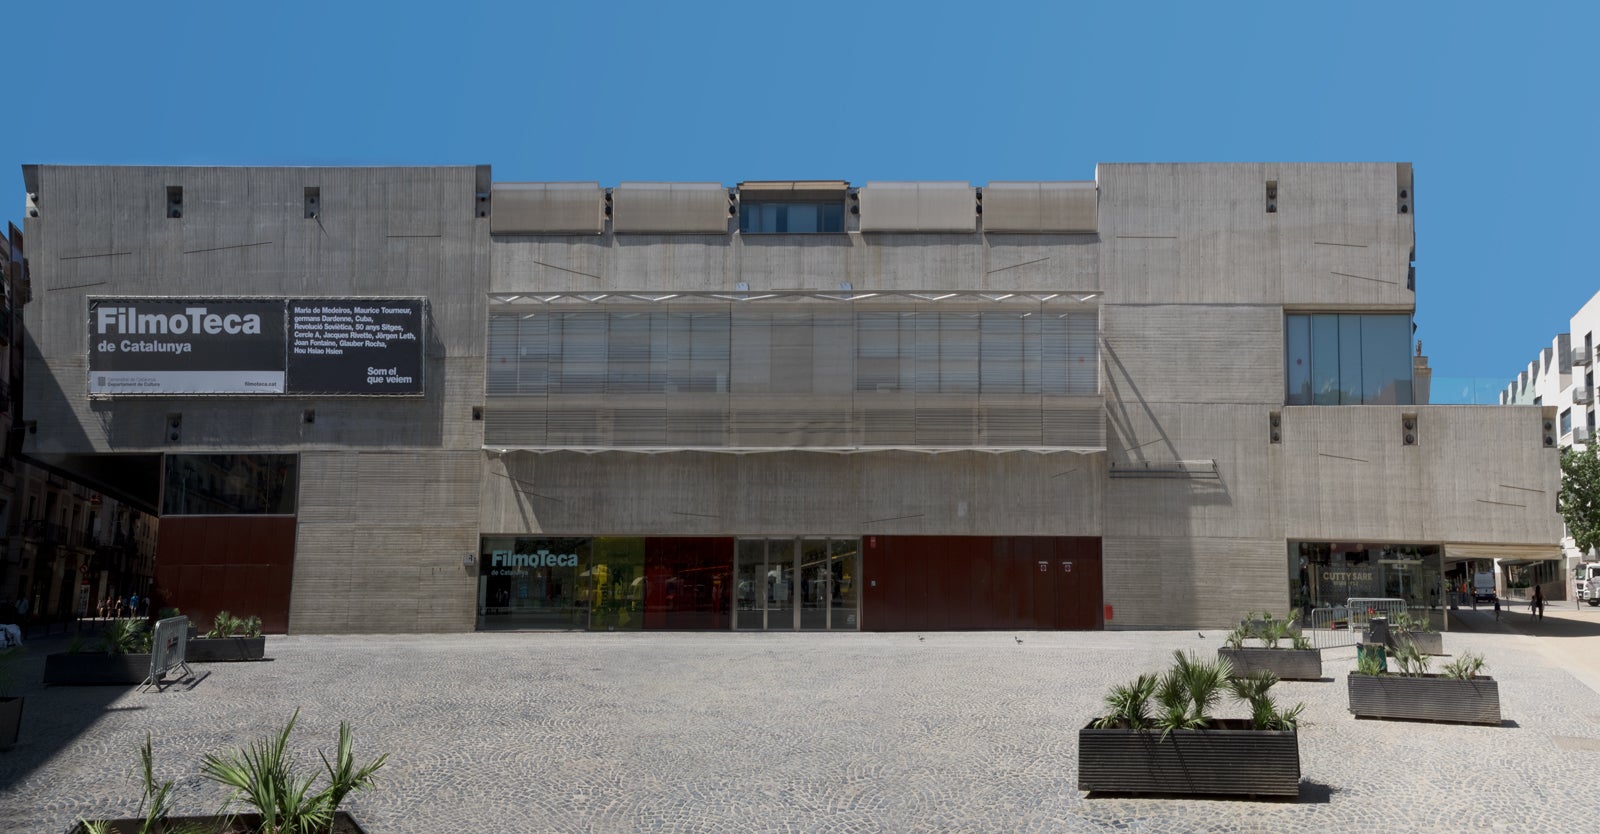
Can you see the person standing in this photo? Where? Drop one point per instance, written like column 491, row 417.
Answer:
column 1538, row 601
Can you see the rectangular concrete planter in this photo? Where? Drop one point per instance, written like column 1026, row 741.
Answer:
column 343, row 823
column 1425, row 698
column 95, row 668
column 10, row 721
column 1287, row 664
column 1231, row 759
column 1428, row 642
column 222, row 649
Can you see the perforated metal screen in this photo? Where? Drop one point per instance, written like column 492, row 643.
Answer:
column 1008, row 372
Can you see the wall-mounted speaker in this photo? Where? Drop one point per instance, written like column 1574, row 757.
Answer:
column 174, row 427
column 1275, row 427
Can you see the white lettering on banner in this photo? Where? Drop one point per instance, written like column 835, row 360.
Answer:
column 540, row 559
column 149, row 347
column 129, row 321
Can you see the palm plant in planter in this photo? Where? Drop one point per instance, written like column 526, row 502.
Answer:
column 230, row 638
column 268, row 779
column 124, row 657
column 1461, row 694
column 1296, row 661
column 154, row 805
column 1179, row 747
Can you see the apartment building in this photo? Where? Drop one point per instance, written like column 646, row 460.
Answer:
column 1562, row 377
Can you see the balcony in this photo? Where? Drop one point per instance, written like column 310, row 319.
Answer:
column 1581, row 356
column 1582, row 394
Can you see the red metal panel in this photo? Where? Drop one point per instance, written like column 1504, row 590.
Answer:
column 240, row 564
column 928, row 583
column 883, row 595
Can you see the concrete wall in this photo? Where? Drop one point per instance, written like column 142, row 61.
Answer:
column 387, row 503
column 793, row 493
column 1197, row 276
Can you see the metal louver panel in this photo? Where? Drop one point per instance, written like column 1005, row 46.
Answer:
column 841, row 377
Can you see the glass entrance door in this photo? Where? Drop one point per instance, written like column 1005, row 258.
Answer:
column 764, row 585
column 814, row 584
column 750, row 582
column 797, row 584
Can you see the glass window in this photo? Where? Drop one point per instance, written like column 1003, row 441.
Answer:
column 747, row 350
column 1566, row 421
column 1347, row 359
column 230, row 485
column 1297, row 359
column 533, row 582
column 791, row 218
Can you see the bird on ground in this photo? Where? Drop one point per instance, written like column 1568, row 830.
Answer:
column 920, row 638
column 1018, row 639
column 1202, row 636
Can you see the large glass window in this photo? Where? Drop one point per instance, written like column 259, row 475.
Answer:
column 1328, row 574
column 749, row 350
column 791, row 218
column 534, row 582
column 230, row 485
column 1347, row 359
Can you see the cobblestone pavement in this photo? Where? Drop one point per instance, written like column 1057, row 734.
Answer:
column 789, row 733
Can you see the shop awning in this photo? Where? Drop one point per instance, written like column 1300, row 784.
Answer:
column 1507, row 554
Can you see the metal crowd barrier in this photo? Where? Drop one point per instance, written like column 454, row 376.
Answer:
column 1342, row 625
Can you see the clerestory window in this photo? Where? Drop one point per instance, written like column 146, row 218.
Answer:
column 791, row 218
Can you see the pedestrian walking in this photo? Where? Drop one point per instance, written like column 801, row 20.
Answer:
column 1538, row 601
column 1497, row 607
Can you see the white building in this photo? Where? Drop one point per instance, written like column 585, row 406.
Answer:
column 1562, row 376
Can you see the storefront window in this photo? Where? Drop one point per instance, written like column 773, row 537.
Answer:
column 613, row 585
column 1328, row 574
column 532, row 582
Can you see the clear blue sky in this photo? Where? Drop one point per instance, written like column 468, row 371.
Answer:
column 1494, row 104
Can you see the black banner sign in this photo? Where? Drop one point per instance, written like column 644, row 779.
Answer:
column 355, row 346
column 313, row 346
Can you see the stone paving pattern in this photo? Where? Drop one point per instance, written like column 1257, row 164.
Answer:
column 938, row 732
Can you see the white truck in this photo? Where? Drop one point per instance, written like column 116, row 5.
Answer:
column 1588, row 582
column 1483, row 586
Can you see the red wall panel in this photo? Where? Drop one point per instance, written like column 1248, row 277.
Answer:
column 240, row 564
column 929, row 583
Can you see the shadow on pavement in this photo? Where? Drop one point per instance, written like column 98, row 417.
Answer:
column 52, row 716
column 1315, row 793
column 1518, row 620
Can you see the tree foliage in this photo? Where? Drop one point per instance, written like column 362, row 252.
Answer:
column 1579, row 502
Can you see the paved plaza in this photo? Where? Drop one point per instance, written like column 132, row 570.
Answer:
column 538, row 732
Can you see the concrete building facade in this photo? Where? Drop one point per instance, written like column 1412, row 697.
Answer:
column 1159, row 398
